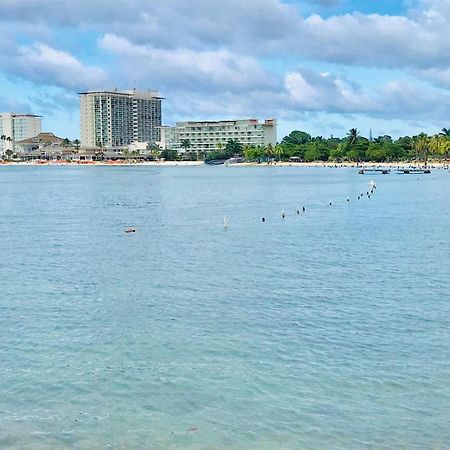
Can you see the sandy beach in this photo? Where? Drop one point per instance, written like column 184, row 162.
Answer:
column 329, row 164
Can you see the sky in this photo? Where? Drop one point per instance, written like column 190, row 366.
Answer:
column 322, row 66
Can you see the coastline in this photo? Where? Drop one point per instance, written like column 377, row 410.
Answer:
column 326, row 164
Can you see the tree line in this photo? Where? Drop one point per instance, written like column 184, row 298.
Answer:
column 301, row 146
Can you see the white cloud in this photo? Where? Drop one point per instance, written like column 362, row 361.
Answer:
column 436, row 76
column 268, row 27
column 192, row 69
column 323, row 91
column 12, row 104
column 43, row 64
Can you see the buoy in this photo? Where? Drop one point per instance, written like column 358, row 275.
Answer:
column 130, row 230
column 304, row 209
column 263, row 219
column 348, row 199
column 298, row 211
column 282, row 215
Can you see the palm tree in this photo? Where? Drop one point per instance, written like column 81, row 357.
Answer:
column 156, row 152
column 440, row 144
column 270, row 151
column 77, row 144
column 9, row 152
column 66, row 142
column 233, row 147
column 352, row 135
column 422, row 145
column 445, row 132
column 445, row 146
column 278, row 150
column 3, row 138
column 186, row 144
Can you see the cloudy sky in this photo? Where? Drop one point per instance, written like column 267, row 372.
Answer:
column 322, row 66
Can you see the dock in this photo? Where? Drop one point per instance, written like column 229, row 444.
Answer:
column 374, row 170
column 413, row 171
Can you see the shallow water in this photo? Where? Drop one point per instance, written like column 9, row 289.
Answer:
column 328, row 329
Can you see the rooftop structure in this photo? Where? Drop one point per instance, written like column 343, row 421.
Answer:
column 39, row 141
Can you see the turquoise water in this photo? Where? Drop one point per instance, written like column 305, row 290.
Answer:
column 328, row 329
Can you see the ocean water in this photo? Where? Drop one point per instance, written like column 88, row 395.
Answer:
column 329, row 329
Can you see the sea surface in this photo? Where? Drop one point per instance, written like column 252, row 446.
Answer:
column 328, row 329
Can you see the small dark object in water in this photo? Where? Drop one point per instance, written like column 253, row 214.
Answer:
column 304, row 209
column 130, row 230
column 331, row 203
column 263, row 219
column 298, row 211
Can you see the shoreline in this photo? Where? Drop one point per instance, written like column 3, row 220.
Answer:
column 326, row 164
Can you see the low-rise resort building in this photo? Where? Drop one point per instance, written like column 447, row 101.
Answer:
column 208, row 136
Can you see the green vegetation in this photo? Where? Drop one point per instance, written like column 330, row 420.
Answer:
column 300, row 146
column 232, row 148
column 169, row 155
column 8, row 151
column 186, row 144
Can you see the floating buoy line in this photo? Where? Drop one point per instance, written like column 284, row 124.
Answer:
column 368, row 194
column 299, row 210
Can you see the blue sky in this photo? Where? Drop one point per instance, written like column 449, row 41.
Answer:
column 322, row 66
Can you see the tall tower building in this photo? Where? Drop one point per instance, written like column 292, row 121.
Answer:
column 17, row 127
column 117, row 118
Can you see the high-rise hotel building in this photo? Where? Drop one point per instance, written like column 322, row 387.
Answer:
column 17, row 127
column 115, row 119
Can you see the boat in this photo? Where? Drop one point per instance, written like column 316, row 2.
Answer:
column 383, row 171
column 236, row 160
column 412, row 171
column 216, row 162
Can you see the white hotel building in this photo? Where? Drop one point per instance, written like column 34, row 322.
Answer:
column 115, row 119
column 17, row 127
column 211, row 136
